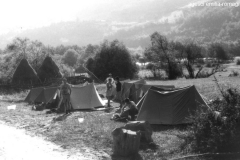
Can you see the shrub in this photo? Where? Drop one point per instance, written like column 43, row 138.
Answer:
column 145, row 74
column 217, row 129
column 238, row 62
column 174, row 71
column 234, row 74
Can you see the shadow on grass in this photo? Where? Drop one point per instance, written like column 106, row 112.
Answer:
column 161, row 127
column 133, row 157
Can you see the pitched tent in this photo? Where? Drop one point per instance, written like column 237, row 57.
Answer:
column 47, row 95
column 33, row 94
column 48, row 70
column 85, row 97
column 136, row 89
column 24, row 73
column 129, row 89
column 170, row 107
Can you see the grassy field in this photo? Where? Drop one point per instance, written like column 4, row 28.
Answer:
column 93, row 135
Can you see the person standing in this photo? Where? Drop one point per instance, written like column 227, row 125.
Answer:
column 109, row 92
column 118, row 91
column 65, row 92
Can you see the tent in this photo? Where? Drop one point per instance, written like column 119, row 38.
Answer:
column 24, row 73
column 136, row 89
column 33, row 94
column 47, row 95
column 170, row 107
column 85, row 97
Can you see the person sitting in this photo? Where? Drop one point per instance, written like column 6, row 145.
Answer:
column 131, row 107
column 128, row 111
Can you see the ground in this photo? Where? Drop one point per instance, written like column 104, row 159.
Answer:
column 89, row 133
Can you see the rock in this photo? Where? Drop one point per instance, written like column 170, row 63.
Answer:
column 125, row 142
column 143, row 127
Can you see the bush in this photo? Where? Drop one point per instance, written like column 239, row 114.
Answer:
column 217, row 130
column 175, row 71
column 234, row 74
column 145, row 74
column 238, row 62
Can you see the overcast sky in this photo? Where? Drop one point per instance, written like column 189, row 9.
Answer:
column 23, row 14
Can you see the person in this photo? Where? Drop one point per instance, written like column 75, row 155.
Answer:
column 118, row 91
column 65, row 92
column 110, row 77
column 109, row 91
column 129, row 107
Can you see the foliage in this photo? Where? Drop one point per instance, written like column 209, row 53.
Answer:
column 113, row 57
column 234, row 73
column 238, row 62
column 70, row 57
column 217, row 129
column 161, row 50
column 191, row 52
column 144, row 74
column 217, row 51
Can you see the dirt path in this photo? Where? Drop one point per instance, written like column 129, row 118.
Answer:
column 15, row 144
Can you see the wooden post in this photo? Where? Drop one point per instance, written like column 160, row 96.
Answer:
column 125, row 142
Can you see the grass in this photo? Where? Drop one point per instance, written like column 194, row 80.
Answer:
column 93, row 135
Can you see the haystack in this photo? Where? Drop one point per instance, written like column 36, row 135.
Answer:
column 25, row 74
column 48, row 70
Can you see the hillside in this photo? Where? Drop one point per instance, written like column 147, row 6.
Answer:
column 133, row 22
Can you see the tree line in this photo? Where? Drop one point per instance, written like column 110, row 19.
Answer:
column 114, row 57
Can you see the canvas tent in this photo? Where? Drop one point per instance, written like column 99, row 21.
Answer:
column 84, row 97
column 47, row 95
column 24, row 73
column 33, row 94
column 170, row 107
column 136, row 89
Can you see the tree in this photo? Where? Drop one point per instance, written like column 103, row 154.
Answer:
column 112, row 57
column 218, row 52
column 190, row 52
column 70, row 57
column 162, row 51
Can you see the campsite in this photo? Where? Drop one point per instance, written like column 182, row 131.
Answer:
column 120, row 80
column 93, row 135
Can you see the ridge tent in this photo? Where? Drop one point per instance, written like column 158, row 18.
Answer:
column 136, row 89
column 85, row 97
column 129, row 89
column 170, row 107
column 33, row 94
column 47, row 95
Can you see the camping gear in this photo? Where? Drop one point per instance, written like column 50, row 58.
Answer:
column 25, row 74
column 170, row 107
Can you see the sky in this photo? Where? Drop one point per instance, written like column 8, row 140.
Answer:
column 24, row 14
